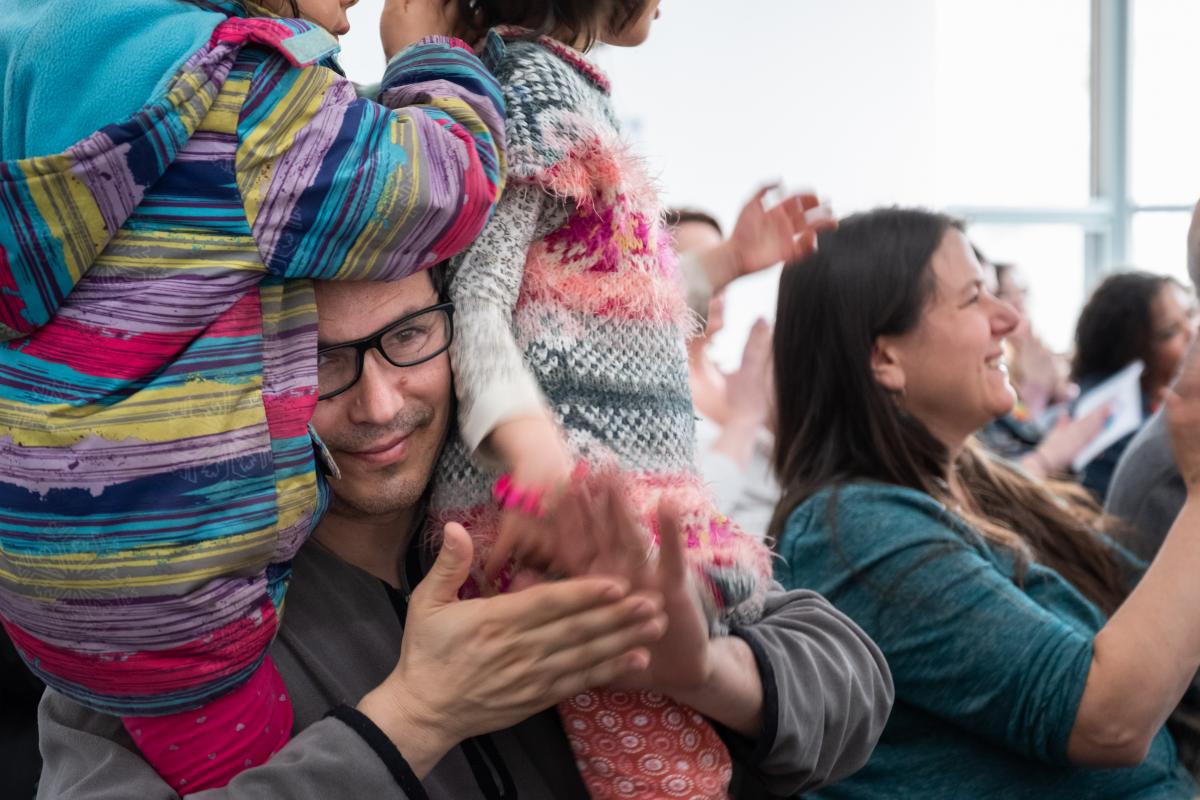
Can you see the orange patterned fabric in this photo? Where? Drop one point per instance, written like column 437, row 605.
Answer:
column 643, row 746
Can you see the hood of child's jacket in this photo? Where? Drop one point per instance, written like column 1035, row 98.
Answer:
column 85, row 129
column 74, row 168
column 70, row 67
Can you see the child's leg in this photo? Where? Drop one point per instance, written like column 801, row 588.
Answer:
column 645, row 746
column 206, row 747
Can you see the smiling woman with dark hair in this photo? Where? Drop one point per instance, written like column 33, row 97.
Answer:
column 1019, row 660
column 1131, row 316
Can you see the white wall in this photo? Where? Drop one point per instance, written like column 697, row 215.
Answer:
column 836, row 95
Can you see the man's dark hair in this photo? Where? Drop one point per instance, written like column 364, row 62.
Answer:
column 674, row 217
column 441, row 281
column 577, row 19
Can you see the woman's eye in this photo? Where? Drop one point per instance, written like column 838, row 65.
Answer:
column 1169, row 333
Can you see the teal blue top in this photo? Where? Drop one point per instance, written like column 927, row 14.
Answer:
column 988, row 674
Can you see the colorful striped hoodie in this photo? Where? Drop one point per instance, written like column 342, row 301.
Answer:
column 158, row 339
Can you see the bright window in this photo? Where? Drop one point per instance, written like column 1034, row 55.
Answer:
column 1159, row 243
column 1012, row 102
column 1164, row 125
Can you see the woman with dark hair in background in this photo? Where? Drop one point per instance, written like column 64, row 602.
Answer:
column 1018, row 651
column 1132, row 316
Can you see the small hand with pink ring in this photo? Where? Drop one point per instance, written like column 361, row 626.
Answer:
column 540, row 467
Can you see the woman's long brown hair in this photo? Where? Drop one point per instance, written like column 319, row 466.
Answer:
column 871, row 277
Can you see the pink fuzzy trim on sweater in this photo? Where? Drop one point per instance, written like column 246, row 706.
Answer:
column 596, row 167
column 611, row 257
column 628, row 294
column 713, row 540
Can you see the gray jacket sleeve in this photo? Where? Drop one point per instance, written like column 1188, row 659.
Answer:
column 827, row 694
column 89, row 755
column 1147, row 490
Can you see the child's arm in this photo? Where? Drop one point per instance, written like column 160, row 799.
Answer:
column 337, row 186
column 501, row 409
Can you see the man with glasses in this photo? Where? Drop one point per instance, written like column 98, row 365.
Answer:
column 462, row 708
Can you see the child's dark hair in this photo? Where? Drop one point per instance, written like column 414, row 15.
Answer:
column 284, row 8
column 570, row 19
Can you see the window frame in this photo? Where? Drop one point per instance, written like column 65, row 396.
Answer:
column 1106, row 221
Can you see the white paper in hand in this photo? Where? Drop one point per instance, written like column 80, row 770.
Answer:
column 1123, row 392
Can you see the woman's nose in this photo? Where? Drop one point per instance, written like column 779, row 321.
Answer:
column 1005, row 318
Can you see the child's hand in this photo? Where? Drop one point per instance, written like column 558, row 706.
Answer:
column 540, row 467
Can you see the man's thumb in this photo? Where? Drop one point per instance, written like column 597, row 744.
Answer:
column 452, row 566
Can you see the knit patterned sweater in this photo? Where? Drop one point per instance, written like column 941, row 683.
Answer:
column 570, row 300
column 160, row 369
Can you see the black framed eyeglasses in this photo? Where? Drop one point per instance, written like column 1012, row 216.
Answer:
column 411, row 340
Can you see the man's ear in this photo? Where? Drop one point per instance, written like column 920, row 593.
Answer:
column 885, row 365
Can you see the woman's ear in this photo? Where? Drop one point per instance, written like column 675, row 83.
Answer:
column 885, row 365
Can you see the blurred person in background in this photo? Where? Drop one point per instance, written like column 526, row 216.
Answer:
column 733, row 440
column 1040, row 376
column 1021, row 434
column 1131, row 316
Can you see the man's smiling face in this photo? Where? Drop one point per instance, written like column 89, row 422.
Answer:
column 384, row 432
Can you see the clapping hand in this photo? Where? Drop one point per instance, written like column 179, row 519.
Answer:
column 786, row 231
column 680, row 660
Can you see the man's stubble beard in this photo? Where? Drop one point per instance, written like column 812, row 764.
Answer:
column 394, row 492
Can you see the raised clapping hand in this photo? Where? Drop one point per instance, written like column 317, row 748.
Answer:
column 763, row 237
column 786, row 231
column 1183, row 399
column 748, row 394
column 1066, row 440
column 469, row 667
